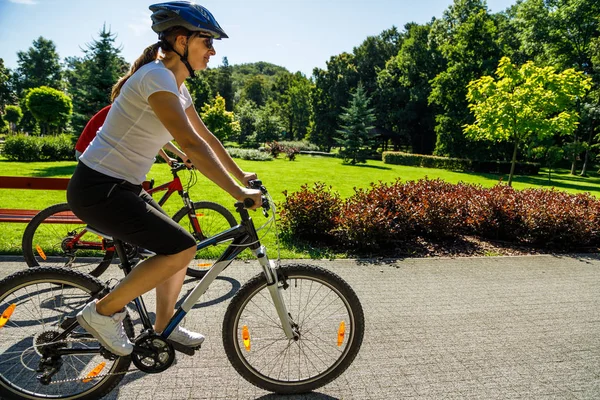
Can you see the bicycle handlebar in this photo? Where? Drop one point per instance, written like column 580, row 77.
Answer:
column 176, row 167
column 257, row 184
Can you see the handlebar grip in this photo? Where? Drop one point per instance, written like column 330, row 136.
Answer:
column 248, row 203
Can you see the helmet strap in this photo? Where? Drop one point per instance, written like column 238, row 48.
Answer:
column 167, row 46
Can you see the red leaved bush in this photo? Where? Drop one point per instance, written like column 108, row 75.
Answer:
column 310, row 214
column 388, row 214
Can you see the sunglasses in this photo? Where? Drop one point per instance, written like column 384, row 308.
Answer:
column 208, row 41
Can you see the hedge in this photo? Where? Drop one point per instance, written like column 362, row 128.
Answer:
column 459, row 164
column 35, row 148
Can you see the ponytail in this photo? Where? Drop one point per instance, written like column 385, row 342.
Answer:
column 150, row 54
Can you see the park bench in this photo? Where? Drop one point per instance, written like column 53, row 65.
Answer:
column 29, row 182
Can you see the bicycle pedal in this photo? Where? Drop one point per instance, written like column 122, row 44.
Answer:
column 190, row 351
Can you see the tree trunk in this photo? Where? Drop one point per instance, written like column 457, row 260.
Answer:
column 587, row 151
column 514, row 162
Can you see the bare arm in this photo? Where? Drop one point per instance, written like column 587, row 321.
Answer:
column 175, row 150
column 217, row 147
column 169, row 111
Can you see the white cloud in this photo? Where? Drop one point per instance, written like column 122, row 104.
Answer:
column 28, row 2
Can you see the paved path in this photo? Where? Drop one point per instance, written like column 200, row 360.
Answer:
column 486, row 328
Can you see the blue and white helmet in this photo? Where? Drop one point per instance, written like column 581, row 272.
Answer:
column 189, row 15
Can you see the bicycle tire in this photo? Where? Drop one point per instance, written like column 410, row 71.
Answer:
column 213, row 218
column 245, row 308
column 44, row 298
column 41, row 240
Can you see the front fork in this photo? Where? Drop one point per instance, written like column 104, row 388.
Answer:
column 275, row 287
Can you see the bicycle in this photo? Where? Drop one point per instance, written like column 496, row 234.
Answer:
column 56, row 237
column 290, row 329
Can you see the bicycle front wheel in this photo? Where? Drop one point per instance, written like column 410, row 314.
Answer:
column 37, row 305
column 328, row 318
column 212, row 218
column 55, row 237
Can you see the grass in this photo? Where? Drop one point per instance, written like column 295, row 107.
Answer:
column 278, row 176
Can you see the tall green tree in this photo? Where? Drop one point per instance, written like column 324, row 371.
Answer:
column 6, row 93
column 50, row 107
column 404, row 87
column 292, row 94
column 330, row 95
column 356, row 125
column 256, row 89
column 38, row 66
column 524, row 104
column 92, row 77
column 224, row 83
column 466, row 36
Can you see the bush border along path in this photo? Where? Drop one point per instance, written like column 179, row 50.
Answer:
column 280, row 175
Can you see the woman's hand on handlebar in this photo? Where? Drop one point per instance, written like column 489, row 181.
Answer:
column 254, row 195
column 188, row 163
column 247, row 177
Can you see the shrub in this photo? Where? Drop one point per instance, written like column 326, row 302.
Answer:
column 31, row 148
column 458, row 164
column 387, row 215
column 300, row 145
column 557, row 219
column 291, row 153
column 249, row 154
column 273, row 148
column 311, row 214
column 374, row 219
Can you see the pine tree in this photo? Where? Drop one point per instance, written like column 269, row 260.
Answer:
column 356, row 123
column 92, row 77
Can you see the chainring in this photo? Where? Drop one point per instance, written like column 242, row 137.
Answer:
column 163, row 354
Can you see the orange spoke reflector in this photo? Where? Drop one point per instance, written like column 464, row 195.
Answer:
column 246, row 337
column 40, row 251
column 7, row 314
column 95, row 372
column 341, row 333
column 199, row 215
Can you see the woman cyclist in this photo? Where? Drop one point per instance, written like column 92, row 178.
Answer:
column 151, row 106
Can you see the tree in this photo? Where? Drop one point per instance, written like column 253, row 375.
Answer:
column 92, row 77
column 38, row 66
column 467, row 38
column 13, row 115
column 50, row 107
column 224, row 84
column 404, row 88
column 356, row 124
column 256, row 89
column 330, row 95
column 220, row 121
column 268, row 126
column 523, row 104
column 246, row 115
column 6, row 94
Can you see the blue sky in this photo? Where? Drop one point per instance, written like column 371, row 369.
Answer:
column 297, row 34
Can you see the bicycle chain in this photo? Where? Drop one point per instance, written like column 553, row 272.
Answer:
column 78, row 379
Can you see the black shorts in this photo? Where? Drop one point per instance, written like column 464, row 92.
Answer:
column 124, row 211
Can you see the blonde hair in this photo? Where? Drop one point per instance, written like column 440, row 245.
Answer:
column 151, row 53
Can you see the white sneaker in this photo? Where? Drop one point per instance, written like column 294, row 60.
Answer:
column 108, row 330
column 186, row 337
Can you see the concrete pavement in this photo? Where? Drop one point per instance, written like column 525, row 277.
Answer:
column 464, row 328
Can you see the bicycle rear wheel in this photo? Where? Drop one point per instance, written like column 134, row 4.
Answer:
column 56, row 238
column 328, row 317
column 213, row 218
column 37, row 305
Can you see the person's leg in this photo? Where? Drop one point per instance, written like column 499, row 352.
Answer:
column 165, row 271
column 166, row 297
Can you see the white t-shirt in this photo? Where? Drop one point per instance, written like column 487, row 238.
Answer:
column 132, row 135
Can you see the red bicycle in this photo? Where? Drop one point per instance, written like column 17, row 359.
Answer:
column 56, row 237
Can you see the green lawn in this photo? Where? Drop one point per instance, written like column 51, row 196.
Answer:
column 278, row 175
